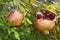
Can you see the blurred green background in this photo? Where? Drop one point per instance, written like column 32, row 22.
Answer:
column 27, row 31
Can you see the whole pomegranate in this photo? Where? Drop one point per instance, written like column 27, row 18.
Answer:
column 16, row 17
column 45, row 21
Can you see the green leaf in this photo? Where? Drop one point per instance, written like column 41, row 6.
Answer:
column 15, row 2
column 21, row 8
column 2, row 25
column 4, row 19
column 17, row 35
column 9, row 31
column 28, row 21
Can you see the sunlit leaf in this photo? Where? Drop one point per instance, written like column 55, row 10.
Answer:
column 28, row 21
column 17, row 36
column 15, row 2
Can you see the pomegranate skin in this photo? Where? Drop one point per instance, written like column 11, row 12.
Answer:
column 44, row 25
column 16, row 17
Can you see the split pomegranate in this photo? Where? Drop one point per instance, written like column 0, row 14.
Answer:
column 45, row 21
column 16, row 17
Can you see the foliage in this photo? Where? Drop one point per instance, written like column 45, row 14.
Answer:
column 26, row 31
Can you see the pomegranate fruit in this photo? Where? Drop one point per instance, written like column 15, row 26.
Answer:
column 16, row 17
column 45, row 21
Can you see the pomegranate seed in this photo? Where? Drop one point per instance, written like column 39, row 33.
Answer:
column 46, row 15
column 39, row 16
